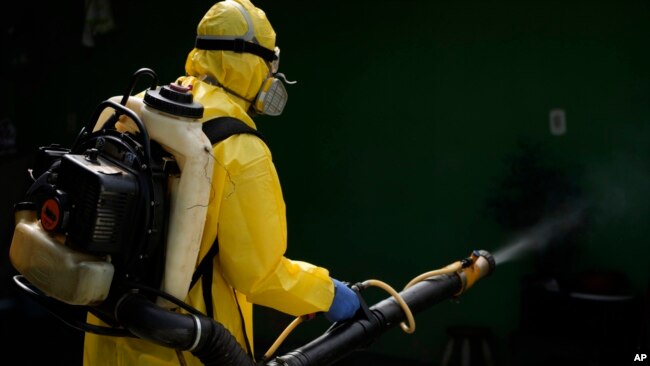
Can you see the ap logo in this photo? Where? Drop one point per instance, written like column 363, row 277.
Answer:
column 640, row 357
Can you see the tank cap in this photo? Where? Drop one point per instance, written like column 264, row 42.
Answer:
column 174, row 99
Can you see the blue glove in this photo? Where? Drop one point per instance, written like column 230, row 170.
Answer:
column 345, row 303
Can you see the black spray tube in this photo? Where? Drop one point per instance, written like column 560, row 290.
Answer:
column 342, row 339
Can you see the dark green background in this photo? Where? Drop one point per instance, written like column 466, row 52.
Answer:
column 397, row 132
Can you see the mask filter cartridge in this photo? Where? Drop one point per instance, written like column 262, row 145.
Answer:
column 272, row 98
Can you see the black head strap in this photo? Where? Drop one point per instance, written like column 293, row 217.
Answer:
column 237, row 45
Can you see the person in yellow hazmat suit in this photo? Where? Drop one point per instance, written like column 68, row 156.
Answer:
column 233, row 72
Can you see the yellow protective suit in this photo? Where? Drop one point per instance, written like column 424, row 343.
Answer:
column 247, row 211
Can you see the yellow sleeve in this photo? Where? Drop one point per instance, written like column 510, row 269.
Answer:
column 252, row 235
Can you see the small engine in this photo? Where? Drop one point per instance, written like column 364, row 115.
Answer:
column 94, row 202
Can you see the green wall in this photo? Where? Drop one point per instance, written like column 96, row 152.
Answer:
column 399, row 128
column 404, row 114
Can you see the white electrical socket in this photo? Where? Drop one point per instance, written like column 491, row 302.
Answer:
column 557, row 121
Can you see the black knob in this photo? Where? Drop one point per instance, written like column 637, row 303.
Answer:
column 92, row 154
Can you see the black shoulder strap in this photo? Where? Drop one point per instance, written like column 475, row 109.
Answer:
column 204, row 271
column 221, row 128
column 217, row 129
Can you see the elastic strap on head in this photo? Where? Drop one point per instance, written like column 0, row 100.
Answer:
column 239, row 45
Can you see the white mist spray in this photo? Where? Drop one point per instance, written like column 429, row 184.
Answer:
column 536, row 238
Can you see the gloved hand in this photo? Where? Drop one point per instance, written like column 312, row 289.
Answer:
column 345, row 303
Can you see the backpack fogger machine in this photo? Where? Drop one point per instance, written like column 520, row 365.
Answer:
column 112, row 225
column 107, row 219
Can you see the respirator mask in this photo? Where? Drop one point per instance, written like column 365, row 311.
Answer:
column 272, row 96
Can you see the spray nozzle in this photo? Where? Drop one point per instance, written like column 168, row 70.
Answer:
column 478, row 265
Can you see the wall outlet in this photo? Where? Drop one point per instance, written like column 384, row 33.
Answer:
column 557, row 121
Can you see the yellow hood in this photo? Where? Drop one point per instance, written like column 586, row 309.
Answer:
column 243, row 73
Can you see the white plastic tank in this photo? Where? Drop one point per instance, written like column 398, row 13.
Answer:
column 177, row 128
